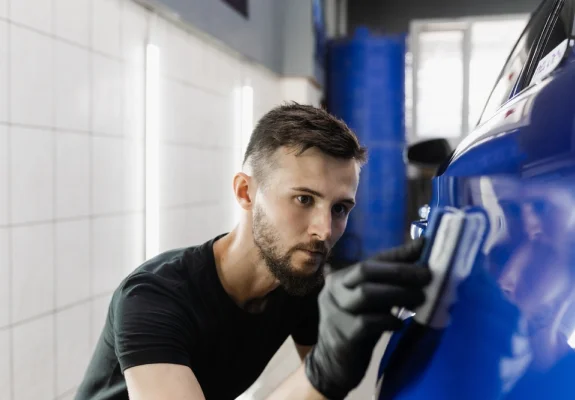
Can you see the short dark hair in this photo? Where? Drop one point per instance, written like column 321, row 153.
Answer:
column 300, row 127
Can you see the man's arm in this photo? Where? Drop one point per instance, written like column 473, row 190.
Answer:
column 355, row 307
column 177, row 382
column 162, row 381
column 296, row 386
column 153, row 337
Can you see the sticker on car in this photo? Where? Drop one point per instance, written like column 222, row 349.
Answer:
column 551, row 61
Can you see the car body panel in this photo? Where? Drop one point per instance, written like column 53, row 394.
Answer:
column 511, row 323
column 511, row 318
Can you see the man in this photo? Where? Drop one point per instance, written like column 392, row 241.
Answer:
column 203, row 322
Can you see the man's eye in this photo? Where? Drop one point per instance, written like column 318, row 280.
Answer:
column 305, row 200
column 340, row 209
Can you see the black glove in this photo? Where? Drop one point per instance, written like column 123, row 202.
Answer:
column 355, row 309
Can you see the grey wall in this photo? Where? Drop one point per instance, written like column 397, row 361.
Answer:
column 277, row 33
column 298, row 38
column 299, row 41
column 393, row 16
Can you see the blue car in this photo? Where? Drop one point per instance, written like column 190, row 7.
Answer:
column 499, row 320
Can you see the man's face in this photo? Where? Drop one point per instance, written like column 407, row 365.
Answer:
column 301, row 213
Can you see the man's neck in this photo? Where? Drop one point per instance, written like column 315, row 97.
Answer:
column 242, row 272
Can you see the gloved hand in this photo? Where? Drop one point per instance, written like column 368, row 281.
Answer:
column 355, row 309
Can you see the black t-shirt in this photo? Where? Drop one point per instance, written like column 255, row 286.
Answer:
column 173, row 309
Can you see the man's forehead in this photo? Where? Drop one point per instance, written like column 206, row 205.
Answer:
column 314, row 165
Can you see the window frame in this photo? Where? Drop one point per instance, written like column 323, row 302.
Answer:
column 535, row 51
column 525, row 80
column 412, row 62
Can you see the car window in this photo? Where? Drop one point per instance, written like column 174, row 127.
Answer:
column 556, row 34
column 511, row 72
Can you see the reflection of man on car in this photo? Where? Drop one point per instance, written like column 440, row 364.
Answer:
column 542, row 294
column 510, row 322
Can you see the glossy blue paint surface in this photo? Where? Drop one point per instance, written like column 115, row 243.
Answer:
column 513, row 315
column 511, row 320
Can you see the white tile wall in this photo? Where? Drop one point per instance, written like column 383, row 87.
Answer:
column 72, row 175
column 32, row 271
column 73, row 87
column 3, row 70
column 3, row 175
column 183, row 55
column 134, row 33
column 72, row 129
column 181, row 112
column 36, row 14
column 107, row 95
column 72, row 262
column 300, row 89
column 34, row 362
column 226, row 72
column 31, row 87
column 217, row 185
column 4, row 279
column 106, row 15
column 217, row 218
column 220, row 120
column 73, row 347
column 32, row 174
column 3, row 8
column 181, row 187
column 175, row 231
column 186, row 226
column 116, row 187
column 134, row 101
column 5, row 360
column 193, row 67
column 117, row 249
column 212, row 58
column 72, row 20
column 108, row 172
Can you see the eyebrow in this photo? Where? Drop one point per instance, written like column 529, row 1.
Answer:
column 318, row 194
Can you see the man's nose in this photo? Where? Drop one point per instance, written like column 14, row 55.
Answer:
column 320, row 226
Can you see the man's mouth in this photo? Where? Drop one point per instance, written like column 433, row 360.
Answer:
column 314, row 253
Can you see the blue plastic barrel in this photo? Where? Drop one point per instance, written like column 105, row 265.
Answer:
column 366, row 79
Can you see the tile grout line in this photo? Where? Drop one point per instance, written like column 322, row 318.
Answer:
column 91, row 176
column 189, row 84
column 127, row 145
column 110, row 214
column 61, row 39
column 70, row 131
column 115, row 214
column 193, row 145
column 149, row 32
column 54, row 207
column 66, row 307
column 9, row 206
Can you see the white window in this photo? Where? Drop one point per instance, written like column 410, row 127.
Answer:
column 452, row 66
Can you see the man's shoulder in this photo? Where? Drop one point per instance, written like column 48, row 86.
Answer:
column 178, row 263
column 172, row 272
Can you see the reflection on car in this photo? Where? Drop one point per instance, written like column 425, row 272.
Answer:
column 499, row 322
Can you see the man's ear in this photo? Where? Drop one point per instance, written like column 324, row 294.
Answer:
column 242, row 190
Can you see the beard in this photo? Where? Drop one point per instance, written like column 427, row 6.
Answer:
column 280, row 265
